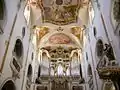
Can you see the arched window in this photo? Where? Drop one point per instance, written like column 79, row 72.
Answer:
column 9, row 85
column 86, row 56
column 2, row 15
column 99, row 48
column 89, row 70
column 18, row 49
column 29, row 73
column 23, row 31
column 2, row 9
column 39, row 71
column 94, row 31
column 81, row 71
column 32, row 56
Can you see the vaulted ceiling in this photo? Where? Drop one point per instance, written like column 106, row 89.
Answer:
column 59, row 22
column 59, row 12
column 58, row 26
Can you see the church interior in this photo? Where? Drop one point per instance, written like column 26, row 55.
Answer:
column 59, row 44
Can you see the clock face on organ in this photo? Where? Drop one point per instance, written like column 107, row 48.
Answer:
column 59, row 2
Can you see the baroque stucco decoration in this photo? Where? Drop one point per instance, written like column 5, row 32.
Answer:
column 40, row 32
column 60, row 53
column 78, row 32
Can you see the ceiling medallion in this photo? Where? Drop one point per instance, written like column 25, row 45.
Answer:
column 61, row 13
column 60, row 29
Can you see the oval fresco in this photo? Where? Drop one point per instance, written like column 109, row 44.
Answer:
column 59, row 38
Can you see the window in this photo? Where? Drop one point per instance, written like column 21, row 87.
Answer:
column 18, row 49
column 29, row 73
column 99, row 48
column 89, row 70
column 94, row 31
column 1, row 9
column 81, row 71
column 2, row 15
column 32, row 56
column 23, row 31
column 9, row 85
column 39, row 71
column 86, row 56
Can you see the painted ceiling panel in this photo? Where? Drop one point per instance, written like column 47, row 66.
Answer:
column 59, row 38
column 60, row 12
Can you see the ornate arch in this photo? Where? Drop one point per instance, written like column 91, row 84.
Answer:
column 8, row 81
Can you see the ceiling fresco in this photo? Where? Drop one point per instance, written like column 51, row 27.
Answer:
column 59, row 38
column 60, row 12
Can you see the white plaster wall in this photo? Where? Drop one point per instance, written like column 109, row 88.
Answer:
column 106, row 11
column 11, row 12
column 86, row 63
column 27, row 63
column 91, row 44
